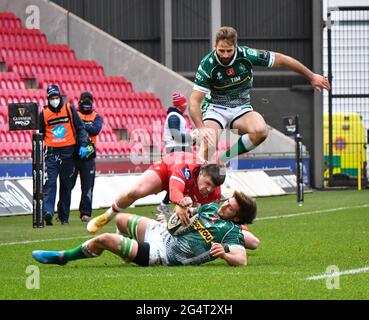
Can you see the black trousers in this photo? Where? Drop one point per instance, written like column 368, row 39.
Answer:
column 87, row 171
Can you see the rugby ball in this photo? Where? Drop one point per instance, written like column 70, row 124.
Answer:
column 175, row 227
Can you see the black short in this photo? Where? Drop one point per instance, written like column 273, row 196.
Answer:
column 143, row 254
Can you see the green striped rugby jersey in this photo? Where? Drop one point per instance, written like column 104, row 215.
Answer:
column 230, row 85
column 193, row 246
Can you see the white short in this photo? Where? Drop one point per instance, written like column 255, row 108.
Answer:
column 156, row 234
column 224, row 116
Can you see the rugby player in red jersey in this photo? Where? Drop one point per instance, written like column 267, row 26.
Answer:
column 188, row 182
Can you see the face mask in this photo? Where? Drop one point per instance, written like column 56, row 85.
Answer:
column 85, row 108
column 54, row 103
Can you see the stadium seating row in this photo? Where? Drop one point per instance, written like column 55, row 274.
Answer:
column 130, row 110
column 9, row 20
column 22, row 95
column 14, row 136
column 36, row 50
column 27, row 54
column 137, row 100
column 138, row 103
column 21, row 151
column 3, row 117
column 87, row 86
column 82, row 83
column 12, row 84
column 134, row 122
column 34, row 66
column 109, row 151
column 19, row 143
column 107, row 136
column 120, row 149
column 9, row 80
column 22, row 35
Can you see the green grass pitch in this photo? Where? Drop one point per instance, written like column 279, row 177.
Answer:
column 329, row 232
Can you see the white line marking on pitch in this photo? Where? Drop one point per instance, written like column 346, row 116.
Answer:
column 41, row 240
column 341, row 273
column 291, row 215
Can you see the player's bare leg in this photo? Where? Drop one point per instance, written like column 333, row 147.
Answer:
column 122, row 246
column 148, row 183
column 253, row 131
column 209, row 140
column 131, row 225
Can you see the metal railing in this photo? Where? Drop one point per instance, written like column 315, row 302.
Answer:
column 347, row 103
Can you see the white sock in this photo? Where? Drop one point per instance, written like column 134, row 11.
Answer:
column 86, row 251
column 247, row 142
column 113, row 211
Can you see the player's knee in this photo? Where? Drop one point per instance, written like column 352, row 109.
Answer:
column 259, row 135
column 120, row 217
column 103, row 240
column 121, row 220
column 262, row 133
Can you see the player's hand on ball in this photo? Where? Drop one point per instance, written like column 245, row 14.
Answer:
column 186, row 202
column 182, row 215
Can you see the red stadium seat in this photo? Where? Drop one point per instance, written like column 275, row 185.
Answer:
column 3, row 119
column 118, row 122
column 28, row 55
column 9, row 21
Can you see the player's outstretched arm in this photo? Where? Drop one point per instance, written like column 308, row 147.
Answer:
column 317, row 81
column 235, row 257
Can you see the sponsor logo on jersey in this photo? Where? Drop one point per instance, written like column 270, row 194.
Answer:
column 59, row 131
column 252, row 52
column 214, row 218
column 205, row 234
column 187, row 173
column 199, row 77
column 230, row 72
column 219, row 76
column 263, row 55
column 58, row 121
column 235, row 79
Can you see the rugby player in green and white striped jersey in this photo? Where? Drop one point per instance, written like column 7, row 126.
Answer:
column 216, row 233
column 220, row 97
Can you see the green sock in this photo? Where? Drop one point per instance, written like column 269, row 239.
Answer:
column 125, row 248
column 74, row 254
column 235, row 150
